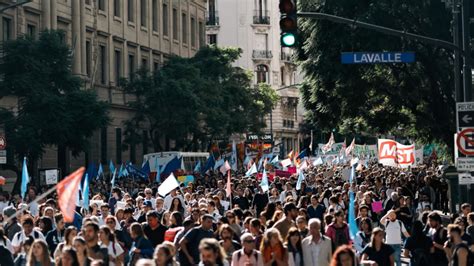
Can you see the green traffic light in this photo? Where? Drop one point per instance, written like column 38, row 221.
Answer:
column 288, row 39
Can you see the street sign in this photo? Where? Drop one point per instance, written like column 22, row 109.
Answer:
column 465, row 141
column 464, row 115
column 466, row 179
column 377, row 57
column 465, row 164
column 3, row 143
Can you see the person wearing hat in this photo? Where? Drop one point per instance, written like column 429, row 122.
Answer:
column 12, row 227
column 146, row 207
column 285, row 223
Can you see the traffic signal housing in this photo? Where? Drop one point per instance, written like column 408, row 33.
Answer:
column 288, row 23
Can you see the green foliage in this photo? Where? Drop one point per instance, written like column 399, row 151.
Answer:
column 195, row 100
column 52, row 108
column 408, row 100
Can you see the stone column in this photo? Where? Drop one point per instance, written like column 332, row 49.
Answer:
column 76, row 36
column 83, row 36
column 54, row 19
column 46, row 15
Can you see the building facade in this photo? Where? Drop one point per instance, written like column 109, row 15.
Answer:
column 110, row 39
column 253, row 25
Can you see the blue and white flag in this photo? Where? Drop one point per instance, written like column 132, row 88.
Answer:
column 219, row 164
column 252, row 170
column 247, row 160
column 264, row 183
column 197, row 168
column 113, row 178
column 100, row 172
column 85, row 193
column 300, row 180
column 25, row 179
column 233, row 158
column 111, row 166
column 275, row 160
column 158, row 174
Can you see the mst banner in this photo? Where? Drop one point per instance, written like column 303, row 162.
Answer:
column 392, row 153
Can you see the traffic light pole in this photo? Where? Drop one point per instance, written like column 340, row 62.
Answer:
column 467, row 79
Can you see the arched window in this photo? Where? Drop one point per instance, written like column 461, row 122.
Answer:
column 262, row 74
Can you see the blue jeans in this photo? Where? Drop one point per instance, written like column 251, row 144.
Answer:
column 397, row 253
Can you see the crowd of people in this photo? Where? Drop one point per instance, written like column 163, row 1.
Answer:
column 400, row 216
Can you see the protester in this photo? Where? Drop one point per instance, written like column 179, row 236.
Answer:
column 27, row 230
column 293, row 245
column 39, row 254
column 163, row 256
column 142, row 247
column 211, row 253
column 247, row 255
column 377, row 251
column 189, row 242
column 418, row 247
column 319, row 242
column 394, row 230
column 115, row 251
column 153, row 229
column 272, row 248
column 80, row 246
column 439, row 236
column 69, row 258
column 460, row 250
column 284, row 224
column 344, row 256
column 338, row 230
column 362, row 237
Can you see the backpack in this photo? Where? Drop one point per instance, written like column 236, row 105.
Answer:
column 35, row 235
column 341, row 237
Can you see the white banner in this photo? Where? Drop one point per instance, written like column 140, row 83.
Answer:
column 51, row 177
column 392, row 153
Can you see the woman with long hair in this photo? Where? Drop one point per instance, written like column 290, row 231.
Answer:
column 80, row 246
column 338, row 230
column 418, row 246
column 212, row 253
column 362, row 237
column 45, row 224
column 69, row 234
column 163, row 256
column 344, row 256
column 176, row 225
column 377, row 251
column 69, row 257
column 39, row 254
column 272, row 249
column 142, row 247
column 269, row 210
column 233, row 222
column 293, row 245
column 227, row 241
column 165, row 220
column 176, row 206
column 108, row 241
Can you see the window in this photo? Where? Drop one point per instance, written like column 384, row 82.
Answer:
column 201, row 34
column 117, row 7
column 193, row 32
column 102, row 5
column 165, row 20
column 130, row 11
column 154, row 10
column 118, row 66
column 143, row 10
column 88, row 58
column 282, row 76
column 102, row 64
column 184, row 28
column 144, row 63
column 131, row 65
column 212, row 39
column 175, row 24
column 262, row 74
column 31, row 30
column 103, row 144
column 156, row 66
column 88, row 2
column 7, row 29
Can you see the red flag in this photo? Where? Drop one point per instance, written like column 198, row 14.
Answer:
column 67, row 191
column 228, row 189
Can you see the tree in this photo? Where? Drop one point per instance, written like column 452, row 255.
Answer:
column 195, row 100
column 52, row 108
column 408, row 100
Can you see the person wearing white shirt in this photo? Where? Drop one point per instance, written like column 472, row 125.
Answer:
column 108, row 241
column 393, row 233
column 148, row 196
column 317, row 248
column 287, row 192
column 247, row 255
column 28, row 230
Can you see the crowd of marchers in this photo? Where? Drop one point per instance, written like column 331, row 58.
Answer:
column 400, row 215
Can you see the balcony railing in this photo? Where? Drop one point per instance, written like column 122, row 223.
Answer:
column 212, row 18
column 261, row 17
column 262, row 54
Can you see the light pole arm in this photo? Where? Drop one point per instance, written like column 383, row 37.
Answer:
column 14, row 5
column 404, row 34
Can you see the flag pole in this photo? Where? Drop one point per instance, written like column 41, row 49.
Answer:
column 42, row 196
